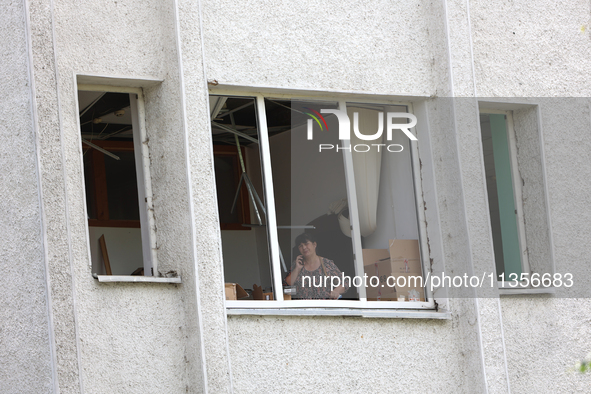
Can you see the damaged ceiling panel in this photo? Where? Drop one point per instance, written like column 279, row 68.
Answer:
column 105, row 116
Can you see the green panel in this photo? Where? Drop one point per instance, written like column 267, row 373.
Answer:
column 508, row 217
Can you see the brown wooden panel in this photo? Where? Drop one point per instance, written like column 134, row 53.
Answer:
column 243, row 204
column 100, row 185
column 114, row 223
column 103, row 245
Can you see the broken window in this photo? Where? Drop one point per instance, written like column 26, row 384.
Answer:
column 504, row 190
column 353, row 201
column 114, row 175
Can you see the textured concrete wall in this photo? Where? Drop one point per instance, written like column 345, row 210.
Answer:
column 176, row 338
column 468, row 52
column 531, row 49
column 554, row 333
column 116, row 337
column 206, row 230
column 387, row 45
column 531, row 171
column 541, row 49
column 301, row 354
column 545, row 337
column 340, row 354
column 25, row 352
column 454, row 234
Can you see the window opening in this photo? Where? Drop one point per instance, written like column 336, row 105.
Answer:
column 114, row 182
column 500, row 184
column 310, row 197
column 240, row 191
column 386, row 205
column 321, row 186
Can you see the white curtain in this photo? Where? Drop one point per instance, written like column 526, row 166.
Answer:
column 367, row 166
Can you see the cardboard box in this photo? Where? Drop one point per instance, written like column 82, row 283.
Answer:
column 371, row 256
column 405, row 256
column 388, row 293
column 376, row 262
column 258, row 294
column 234, row 291
column 401, row 259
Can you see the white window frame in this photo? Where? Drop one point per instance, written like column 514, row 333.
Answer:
column 142, row 165
column 337, row 307
column 517, row 196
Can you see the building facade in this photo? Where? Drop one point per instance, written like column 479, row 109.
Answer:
column 181, row 67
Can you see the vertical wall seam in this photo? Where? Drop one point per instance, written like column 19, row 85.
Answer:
column 461, row 180
column 67, row 206
column 42, row 217
column 471, row 46
column 190, row 193
column 448, row 40
column 546, row 188
column 503, row 341
column 485, row 189
column 213, row 182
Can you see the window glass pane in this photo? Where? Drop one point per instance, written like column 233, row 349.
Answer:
column 110, row 184
column 386, row 205
column 226, row 178
column 241, row 198
column 122, row 187
column 310, row 197
column 314, row 172
column 501, row 201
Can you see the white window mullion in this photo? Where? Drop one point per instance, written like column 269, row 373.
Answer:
column 144, row 185
column 353, row 211
column 420, row 206
column 269, row 198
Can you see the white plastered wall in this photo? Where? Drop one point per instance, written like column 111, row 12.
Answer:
column 466, row 52
column 416, row 48
column 541, row 50
column 391, row 49
column 26, row 354
column 115, row 337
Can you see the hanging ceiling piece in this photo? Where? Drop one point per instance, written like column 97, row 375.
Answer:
column 105, row 116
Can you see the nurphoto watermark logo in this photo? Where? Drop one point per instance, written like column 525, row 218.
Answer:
column 345, row 130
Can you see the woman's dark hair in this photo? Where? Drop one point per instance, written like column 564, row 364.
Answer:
column 303, row 238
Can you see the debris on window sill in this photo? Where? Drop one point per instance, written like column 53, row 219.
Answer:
column 169, row 277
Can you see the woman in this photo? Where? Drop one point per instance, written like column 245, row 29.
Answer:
column 308, row 264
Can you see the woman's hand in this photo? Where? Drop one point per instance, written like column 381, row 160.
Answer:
column 300, row 261
column 296, row 271
column 336, row 293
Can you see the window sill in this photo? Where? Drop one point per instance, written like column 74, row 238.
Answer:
column 368, row 313
column 527, row 291
column 134, row 279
